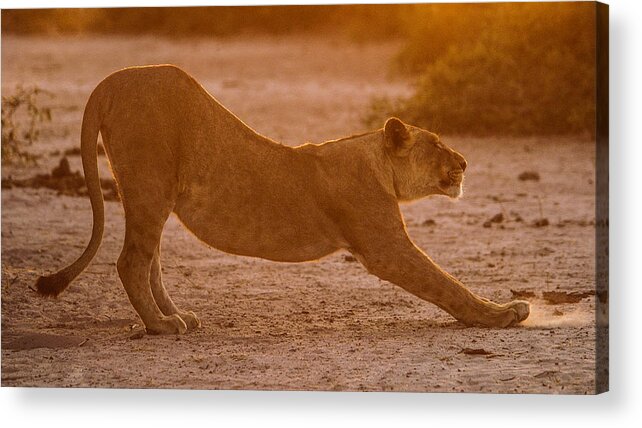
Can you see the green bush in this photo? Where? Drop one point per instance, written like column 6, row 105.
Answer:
column 529, row 70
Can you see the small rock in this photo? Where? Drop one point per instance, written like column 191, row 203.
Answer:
column 546, row 373
column 429, row 222
column 349, row 258
column 497, row 218
column 522, row 294
column 475, row 351
column 542, row 222
column 62, row 170
column 528, row 175
column 561, row 297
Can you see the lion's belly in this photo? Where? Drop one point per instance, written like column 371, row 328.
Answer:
column 261, row 233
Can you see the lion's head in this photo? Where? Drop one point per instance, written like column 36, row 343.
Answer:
column 422, row 164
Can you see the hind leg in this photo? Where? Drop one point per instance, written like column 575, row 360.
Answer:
column 145, row 218
column 162, row 298
column 141, row 239
column 145, row 170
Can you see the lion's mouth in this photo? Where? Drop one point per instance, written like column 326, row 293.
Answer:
column 455, row 191
column 453, row 187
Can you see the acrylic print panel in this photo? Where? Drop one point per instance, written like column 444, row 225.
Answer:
column 300, row 269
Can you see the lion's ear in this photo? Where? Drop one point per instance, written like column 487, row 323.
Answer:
column 397, row 137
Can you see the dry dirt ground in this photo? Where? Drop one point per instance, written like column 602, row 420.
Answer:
column 326, row 325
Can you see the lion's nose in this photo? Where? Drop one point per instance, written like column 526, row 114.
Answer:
column 462, row 162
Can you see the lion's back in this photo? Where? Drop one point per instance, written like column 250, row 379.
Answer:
column 154, row 88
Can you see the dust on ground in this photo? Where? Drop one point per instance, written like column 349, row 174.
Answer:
column 525, row 226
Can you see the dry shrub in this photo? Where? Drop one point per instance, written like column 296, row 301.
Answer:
column 22, row 115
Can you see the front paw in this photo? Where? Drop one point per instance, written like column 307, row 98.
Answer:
column 521, row 308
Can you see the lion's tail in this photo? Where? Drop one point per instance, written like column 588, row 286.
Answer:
column 54, row 284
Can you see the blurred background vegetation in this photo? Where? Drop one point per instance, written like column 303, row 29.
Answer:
column 494, row 68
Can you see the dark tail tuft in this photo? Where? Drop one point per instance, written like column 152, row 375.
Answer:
column 52, row 285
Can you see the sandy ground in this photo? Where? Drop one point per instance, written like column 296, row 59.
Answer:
column 327, row 325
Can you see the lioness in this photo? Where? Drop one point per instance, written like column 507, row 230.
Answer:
column 174, row 148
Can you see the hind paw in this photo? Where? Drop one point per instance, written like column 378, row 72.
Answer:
column 171, row 324
column 190, row 319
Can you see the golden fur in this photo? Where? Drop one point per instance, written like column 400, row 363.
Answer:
column 174, row 148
